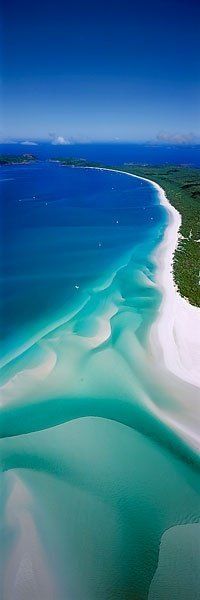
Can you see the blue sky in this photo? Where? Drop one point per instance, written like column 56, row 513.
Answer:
column 101, row 70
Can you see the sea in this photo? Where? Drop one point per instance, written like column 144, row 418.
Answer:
column 114, row 153
column 100, row 492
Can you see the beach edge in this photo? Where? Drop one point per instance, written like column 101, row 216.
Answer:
column 173, row 341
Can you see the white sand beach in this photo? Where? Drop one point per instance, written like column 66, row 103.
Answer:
column 174, row 340
column 178, row 323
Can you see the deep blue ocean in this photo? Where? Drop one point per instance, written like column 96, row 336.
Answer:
column 113, row 154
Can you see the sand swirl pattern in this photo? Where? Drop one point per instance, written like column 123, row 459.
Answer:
column 99, row 455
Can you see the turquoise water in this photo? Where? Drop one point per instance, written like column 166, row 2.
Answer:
column 99, row 491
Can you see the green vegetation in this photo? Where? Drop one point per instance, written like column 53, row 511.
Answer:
column 7, row 159
column 182, row 187
column 78, row 162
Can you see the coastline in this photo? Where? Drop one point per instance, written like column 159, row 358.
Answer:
column 173, row 340
column 177, row 323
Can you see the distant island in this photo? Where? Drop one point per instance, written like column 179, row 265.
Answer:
column 182, row 187
column 77, row 162
column 16, row 160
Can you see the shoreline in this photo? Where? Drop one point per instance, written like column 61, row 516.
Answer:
column 177, row 323
column 173, row 335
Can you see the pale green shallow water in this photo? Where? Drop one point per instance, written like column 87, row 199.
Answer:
column 96, row 479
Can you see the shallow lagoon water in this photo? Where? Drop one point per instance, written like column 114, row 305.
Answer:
column 96, row 483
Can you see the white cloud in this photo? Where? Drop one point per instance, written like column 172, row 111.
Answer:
column 59, row 140
column 28, row 143
column 176, row 138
